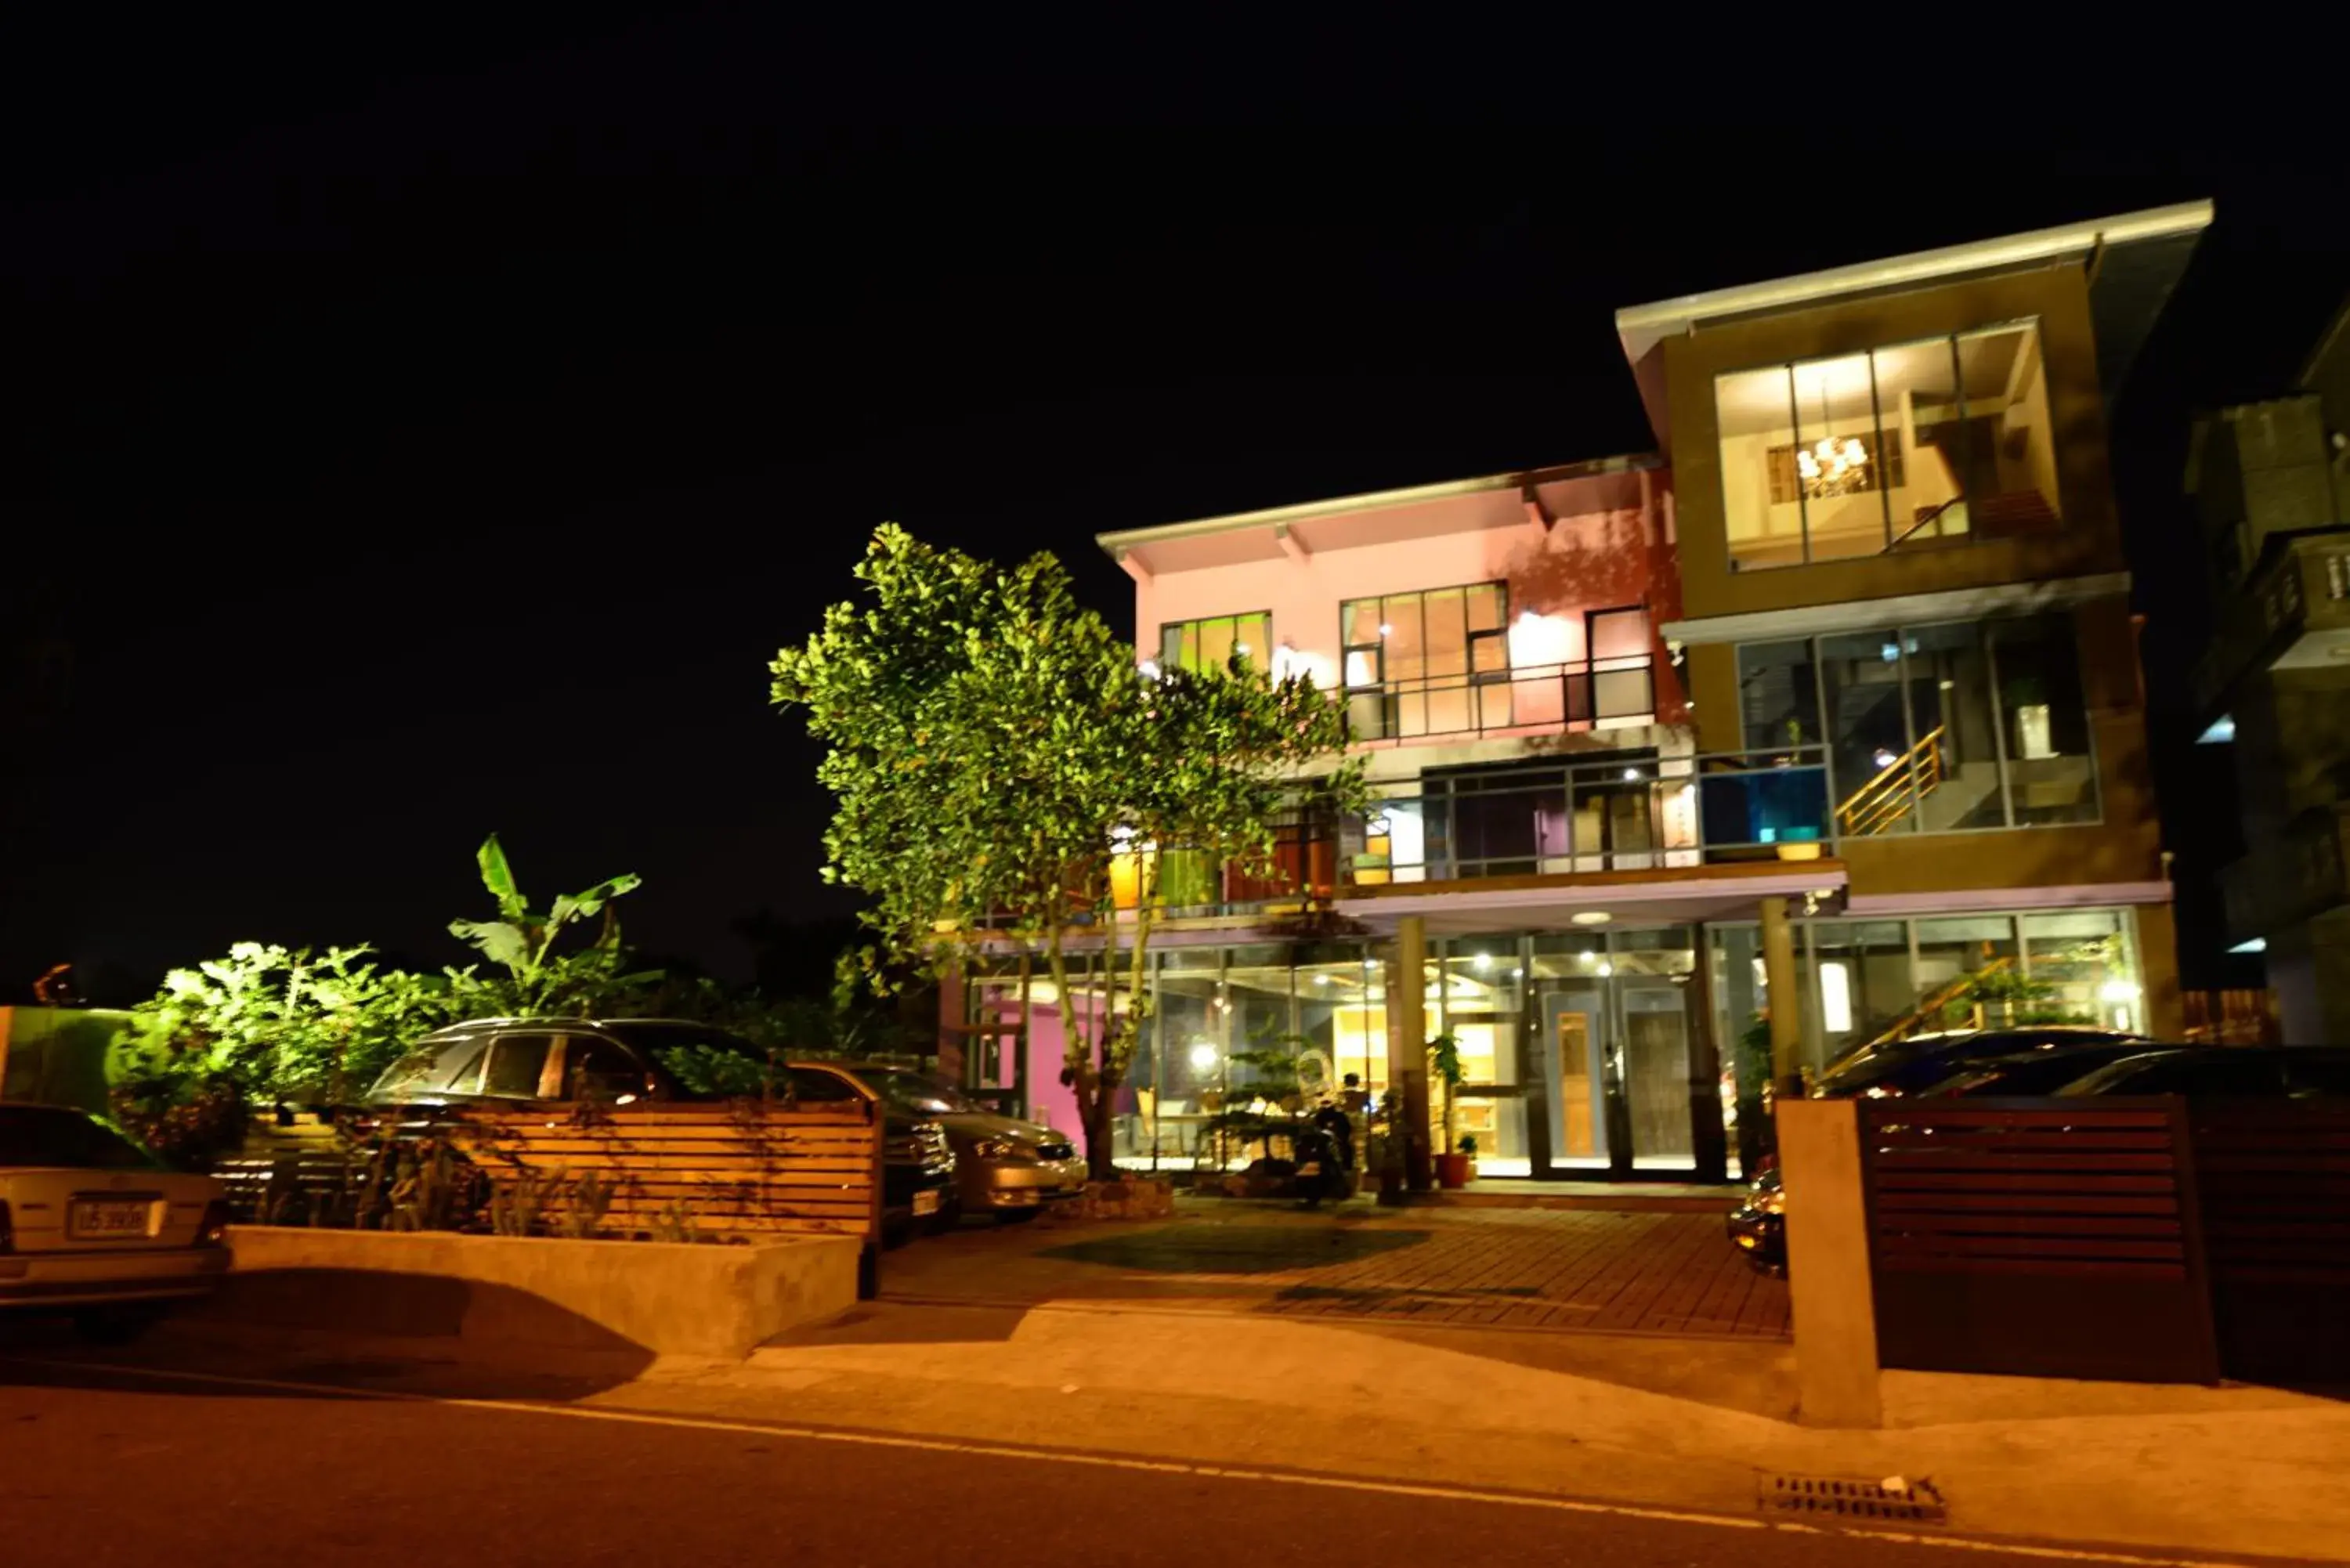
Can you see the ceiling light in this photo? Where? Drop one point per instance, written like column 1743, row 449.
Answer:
column 1591, row 917
column 1386, row 631
column 1203, row 1057
column 1607, row 968
column 1482, row 962
column 1631, row 774
column 1517, row 974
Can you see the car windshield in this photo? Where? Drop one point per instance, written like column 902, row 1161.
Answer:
column 52, row 1136
column 904, row 1089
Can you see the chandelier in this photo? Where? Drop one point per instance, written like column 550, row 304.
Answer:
column 1830, row 466
column 1833, row 467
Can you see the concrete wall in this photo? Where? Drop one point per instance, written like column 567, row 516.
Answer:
column 667, row 1298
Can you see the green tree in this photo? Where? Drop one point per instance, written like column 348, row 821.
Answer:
column 992, row 747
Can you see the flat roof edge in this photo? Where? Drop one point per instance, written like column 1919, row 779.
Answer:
column 1378, row 500
column 1662, row 316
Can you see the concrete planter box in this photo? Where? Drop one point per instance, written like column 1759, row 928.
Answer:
column 666, row 1298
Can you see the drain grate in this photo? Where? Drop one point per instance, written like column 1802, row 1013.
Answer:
column 1838, row 1497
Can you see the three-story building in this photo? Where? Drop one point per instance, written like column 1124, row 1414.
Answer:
column 1849, row 658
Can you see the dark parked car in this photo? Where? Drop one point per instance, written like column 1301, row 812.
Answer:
column 1919, row 1062
column 2033, row 1073
column 2223, row 1072
column 620, row 1061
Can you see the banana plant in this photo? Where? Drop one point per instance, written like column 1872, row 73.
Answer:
column 523, row 941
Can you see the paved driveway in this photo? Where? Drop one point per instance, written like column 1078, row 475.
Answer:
column 1494, row 1268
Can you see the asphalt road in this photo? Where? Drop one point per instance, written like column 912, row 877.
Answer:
column 100, row 1468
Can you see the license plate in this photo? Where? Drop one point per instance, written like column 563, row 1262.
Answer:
column 926, row 1203
column 99, row 1217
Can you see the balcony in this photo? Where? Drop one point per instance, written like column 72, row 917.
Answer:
column 1653, row 815
column 2293, row 611
column 1539, row 699
column 2294, row 876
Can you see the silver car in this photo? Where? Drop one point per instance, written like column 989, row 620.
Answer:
column 1003, row 1166
column 91, row 1225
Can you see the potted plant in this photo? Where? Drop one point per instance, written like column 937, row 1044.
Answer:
column 1444, row 1061
column 1468, row 1153
column 1387, row 1158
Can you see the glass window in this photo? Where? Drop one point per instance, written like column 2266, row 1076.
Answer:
column 1914, row 443
column 517, row 1061
column 1868, row 735
column 1431, row 663
column 1861, row 986
column 1342, row 1010
column 458, row 1069
column 1956, row 755
column 1778, row 694
column 1967, row 971
column 1838, row 461
column 1482, row 1006
column 1214, row 641
column 816, row 1086
column 2051, row 775
column 597, row 1069
column 2080, row 967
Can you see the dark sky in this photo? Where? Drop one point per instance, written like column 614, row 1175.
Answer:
column 427, row 432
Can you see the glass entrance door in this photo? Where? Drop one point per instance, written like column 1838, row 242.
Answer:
column 1617, row 1050
column 1653, row 1076
column 1576, row 1070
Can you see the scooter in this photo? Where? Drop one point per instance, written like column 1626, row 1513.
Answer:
column 1324, row 1148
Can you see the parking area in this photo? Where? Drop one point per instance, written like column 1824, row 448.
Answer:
column 1594, row 1272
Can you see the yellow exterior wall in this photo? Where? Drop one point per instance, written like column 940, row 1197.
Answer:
column 2088, row 542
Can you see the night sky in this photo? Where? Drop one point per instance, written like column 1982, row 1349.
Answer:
column 440, row 436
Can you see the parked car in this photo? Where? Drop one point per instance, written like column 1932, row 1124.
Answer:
column 92, row 1226
column 1907, row 1066
column 2033, row 1073
column 619, row 1063
column 1011, row 1168
column 2222, row 1072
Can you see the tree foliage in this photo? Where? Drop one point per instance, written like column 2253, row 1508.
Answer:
column 992, row 747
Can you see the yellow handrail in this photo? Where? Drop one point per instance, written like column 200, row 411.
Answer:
column 1880, row 803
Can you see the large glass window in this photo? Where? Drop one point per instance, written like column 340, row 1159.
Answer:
column 1942, row 440
column 1482, row 1005
column 1432, row 662
column 1214, row 641
column 1935, row 729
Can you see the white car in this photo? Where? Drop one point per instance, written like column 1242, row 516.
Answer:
column 90, row 1225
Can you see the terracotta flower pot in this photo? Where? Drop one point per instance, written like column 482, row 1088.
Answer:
column 1453, row 1170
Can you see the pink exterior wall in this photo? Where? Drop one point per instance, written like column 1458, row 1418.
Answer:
column 1601, row 559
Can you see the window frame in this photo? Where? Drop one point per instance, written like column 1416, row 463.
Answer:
column 1204, row 620
column 1897, row 537
column 1390, row 691
column 1899, row 637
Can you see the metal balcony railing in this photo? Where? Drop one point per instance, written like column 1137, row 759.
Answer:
column 1645, row 816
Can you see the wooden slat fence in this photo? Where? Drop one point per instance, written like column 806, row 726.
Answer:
column 2274, row 1182
column 2036, row 1237
column 722, row 1171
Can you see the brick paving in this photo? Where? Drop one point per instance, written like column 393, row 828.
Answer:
column 1599, row 1272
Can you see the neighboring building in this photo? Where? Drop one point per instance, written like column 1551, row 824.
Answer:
column 1852, row 655
column 2270, row 481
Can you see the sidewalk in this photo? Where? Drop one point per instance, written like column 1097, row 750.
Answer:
column 1677, row 1422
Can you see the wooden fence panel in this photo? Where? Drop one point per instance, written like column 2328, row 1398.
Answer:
column 2036, row 1237
column 2274, row 1182
column 726, row 1171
